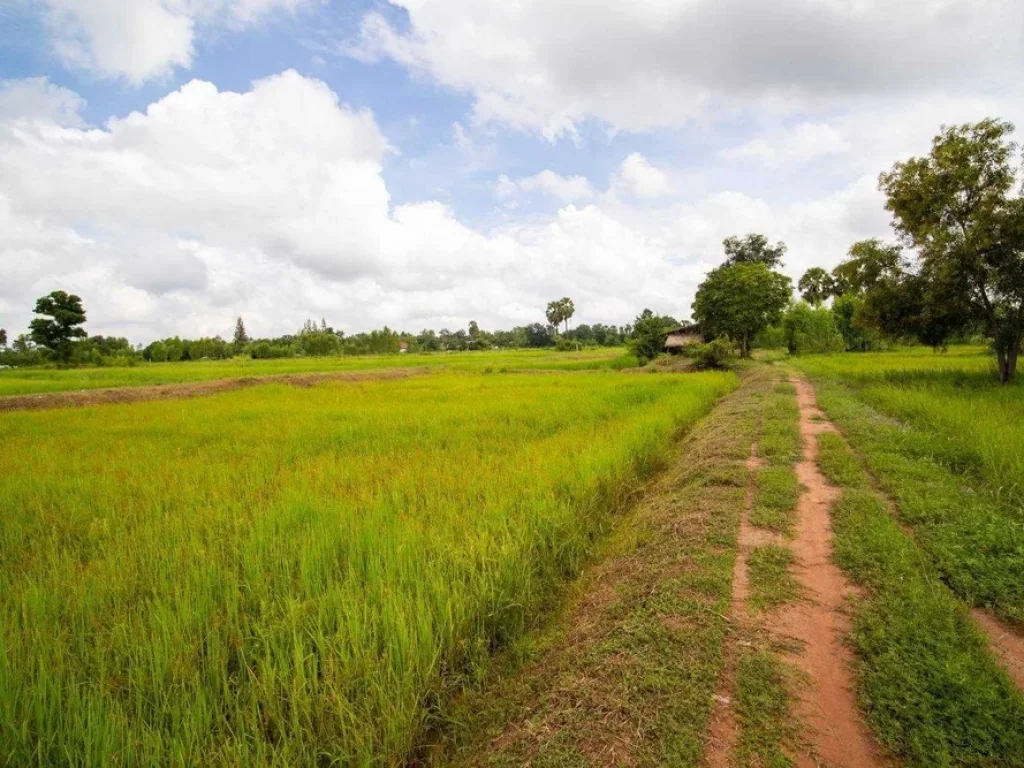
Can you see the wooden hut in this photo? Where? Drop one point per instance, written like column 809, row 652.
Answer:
column 684, row 336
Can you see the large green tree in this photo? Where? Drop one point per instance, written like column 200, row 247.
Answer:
column 60, row 324
column 955, row 208
column 241, row 337
column 753, row 249
column 560, row 311
column 816, row 286
column 741, row 300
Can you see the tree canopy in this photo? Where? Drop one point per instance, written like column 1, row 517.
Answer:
column 560, row 311
column 955, row 208
column 816, row 286
column 741, row 300
column 648, row 338
column 57, row 330
column 753, row 249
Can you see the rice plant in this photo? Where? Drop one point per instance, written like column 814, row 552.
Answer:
column 298, row 576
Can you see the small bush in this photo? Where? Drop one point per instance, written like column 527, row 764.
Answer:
column 713, row 355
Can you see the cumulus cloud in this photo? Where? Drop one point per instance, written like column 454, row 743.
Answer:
column 548, row 65
column 637, row 177
column 141, row 39
column 547, row 182
column 271, row 204
column 802, row 144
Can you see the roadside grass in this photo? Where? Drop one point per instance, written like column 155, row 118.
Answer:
column 965, row 511
column 285, row 576
column 776, row 493
column 771, row 581
column 763, row 702
column 625, row 673
column 20, row 381
column 930, row 688
column 776, row 488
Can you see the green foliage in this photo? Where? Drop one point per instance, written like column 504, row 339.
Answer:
column 711, row 356
column 753, row 249
column 816, row 285
column 955, row 208
column 811, row 330
column 858, row 334
column 560, row 311
column 740, row 301
column 648, row 338
column 772, row 337
column 241, row 338
column 279, row 574
column 60, row 325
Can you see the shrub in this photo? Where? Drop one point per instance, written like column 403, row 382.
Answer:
column 714, row 354
column 811, row 330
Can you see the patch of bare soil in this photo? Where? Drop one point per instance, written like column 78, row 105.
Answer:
column 1006, row 642
column 836, row 734
column 121, row 395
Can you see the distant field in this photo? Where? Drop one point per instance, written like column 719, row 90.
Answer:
column 299, row 576
column 944, row 439
column 23, row 381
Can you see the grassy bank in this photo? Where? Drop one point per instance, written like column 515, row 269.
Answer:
column 625, row 673
column 284, row 576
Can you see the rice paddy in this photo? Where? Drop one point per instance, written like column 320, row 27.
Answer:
column 299, row 576
column 23, row 381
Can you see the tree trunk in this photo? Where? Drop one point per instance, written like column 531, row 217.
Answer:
column 744, row 346
column 1007, row 360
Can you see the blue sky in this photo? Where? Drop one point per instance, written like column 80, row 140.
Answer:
column 427, row 162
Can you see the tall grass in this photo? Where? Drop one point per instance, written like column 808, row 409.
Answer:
column 285, row 576
column 20, row 381
column 956, row 397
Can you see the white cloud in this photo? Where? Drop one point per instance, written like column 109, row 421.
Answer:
column 637, row 177
column 140, row 40
column 547, row 182
column 271, row 204
column 36, row 98
column 548, row 65
column 805, row 142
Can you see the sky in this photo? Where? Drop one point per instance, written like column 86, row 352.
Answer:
column 424, row 163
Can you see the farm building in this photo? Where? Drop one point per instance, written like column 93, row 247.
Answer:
column 683, row 336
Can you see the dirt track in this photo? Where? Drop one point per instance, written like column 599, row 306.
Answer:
column 119, row 395
column 838, row 735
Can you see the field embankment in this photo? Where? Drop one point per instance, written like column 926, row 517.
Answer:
column 625, row 675
column 276, row 576
column 122, row 395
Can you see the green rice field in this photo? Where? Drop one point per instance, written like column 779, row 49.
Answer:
column 299, row 576
column 22, row 381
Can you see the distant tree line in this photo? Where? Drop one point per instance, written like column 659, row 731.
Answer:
column 57, row 337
